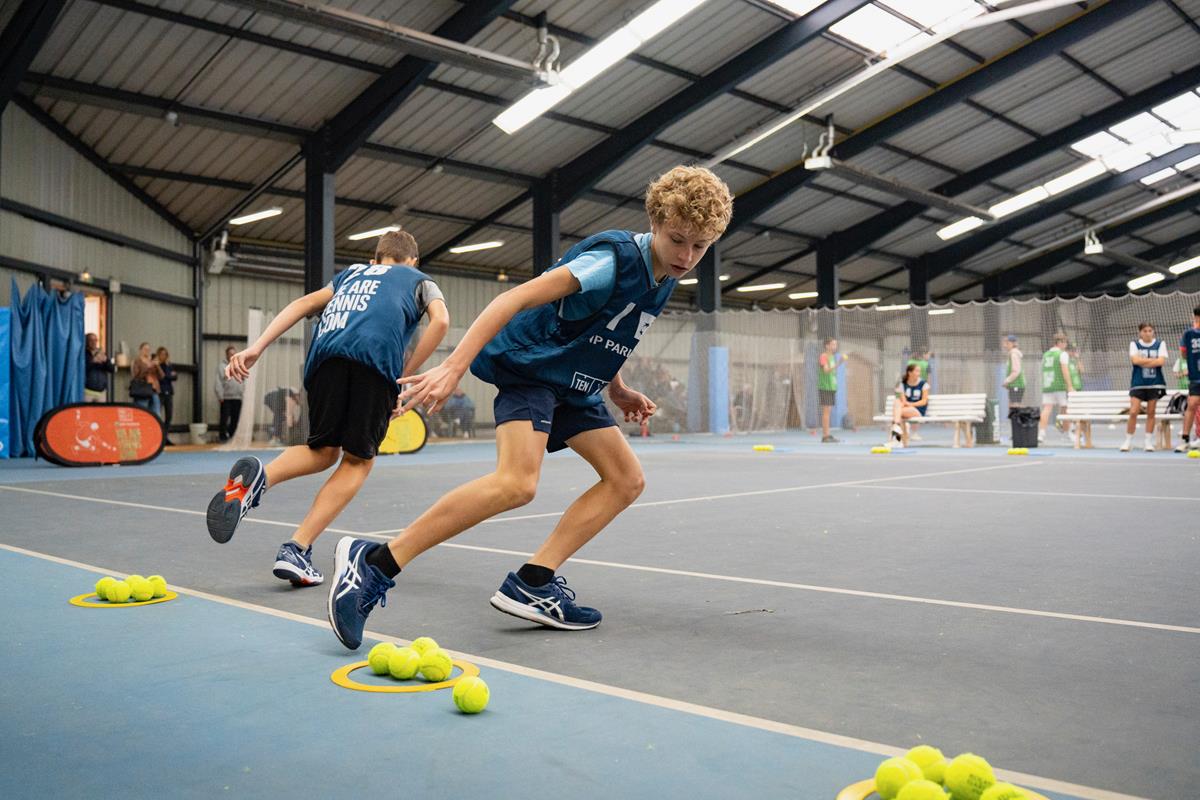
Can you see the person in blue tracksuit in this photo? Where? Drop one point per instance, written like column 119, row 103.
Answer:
column 550, row 347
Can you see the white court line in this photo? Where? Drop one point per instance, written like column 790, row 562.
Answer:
column 721, row 715
column 1039, row 494
column 734, row 578
column 753, row 493
column 149, row 507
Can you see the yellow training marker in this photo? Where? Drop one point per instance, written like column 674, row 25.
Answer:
column 341, row 677
column 1194, row 454
column 1018, row 451
column 881, row 449
column 764, row 448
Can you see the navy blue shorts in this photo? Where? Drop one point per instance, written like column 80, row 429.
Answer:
column 541, row 406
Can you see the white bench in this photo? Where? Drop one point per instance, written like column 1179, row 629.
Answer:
column 960, row 410
column 1113, row 406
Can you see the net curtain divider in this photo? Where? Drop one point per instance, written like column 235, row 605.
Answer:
column 45, row 360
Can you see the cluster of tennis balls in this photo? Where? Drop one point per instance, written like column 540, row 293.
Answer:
column 423, row 657
column 135, row 588
column 924, row 774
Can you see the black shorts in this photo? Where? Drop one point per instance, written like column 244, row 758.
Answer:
column 828, row 397
column 1194, row 389
column 349, row 406
column 1015, row 395
column 1146, row 394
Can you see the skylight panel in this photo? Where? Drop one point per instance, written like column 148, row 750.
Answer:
column 875, row 29
column 931, row 13
column 1098, row 144
column 1161, row 175
column 1190, row 163
column 797, row 7
column 1182, row 111
column 1140, row 127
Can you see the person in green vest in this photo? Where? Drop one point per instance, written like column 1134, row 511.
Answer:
column 1075, row 367
column 921, row 358
column 827, row 365
column 1179, row 368
column 1014, row 375
column 1056, row 377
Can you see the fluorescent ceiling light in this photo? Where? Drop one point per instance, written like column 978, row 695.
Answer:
column 1182, row 111
column 471, row 248
column 1093, row 247
column 1180, row 138
column 1161, row 175
column 689, row 281
column 797, row 7
column 598, row 58
column 761, row 287
column 1083, row 174
column 1188, row 164
column 959, row 228
column 1140, row 126
column 1024, row 200
column 933, row 13
column 934, row 312
column 896, row 307
column 802, row 295
column 256, row 216
column 1145, row 280
column 371, row 234
column 855, row 301
column 1184, row 266
column 1098, row 144
column 1125, row 159
column 723, row 278
column 875, row 29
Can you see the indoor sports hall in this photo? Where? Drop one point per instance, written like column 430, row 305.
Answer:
column 900, row 432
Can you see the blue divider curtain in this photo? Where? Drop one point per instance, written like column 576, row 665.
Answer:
column 46, row 361
column 5, row 326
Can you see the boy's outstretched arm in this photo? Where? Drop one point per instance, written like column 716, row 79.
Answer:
column 435, row 331
column 293, row 312
column 430, row 389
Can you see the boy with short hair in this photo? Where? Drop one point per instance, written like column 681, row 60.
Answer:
column 1189, row 349
column 369, row 313
column 827, row 364
column 1056, row 379
column 550, row 346
column 1014, row 375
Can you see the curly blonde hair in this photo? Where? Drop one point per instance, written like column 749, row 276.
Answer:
column 693, row 197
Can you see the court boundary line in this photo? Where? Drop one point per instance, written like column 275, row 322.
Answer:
column 644, row 698
column 1091, row 496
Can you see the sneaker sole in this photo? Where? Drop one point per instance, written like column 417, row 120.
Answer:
column 341, row 559
column 505, row 604
column 223, row 517
column 287, row 571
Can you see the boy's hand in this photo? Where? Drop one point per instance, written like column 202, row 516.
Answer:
column 399, row 409
column 637, row 407
column 240, row 364
column 429, row 389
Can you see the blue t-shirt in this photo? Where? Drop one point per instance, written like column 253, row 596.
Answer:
column 373, row 313
column 596, row 271
column 1190, row 345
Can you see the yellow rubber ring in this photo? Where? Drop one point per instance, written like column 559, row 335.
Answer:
column 341, row 677
column 865, row 790
column 82, row 601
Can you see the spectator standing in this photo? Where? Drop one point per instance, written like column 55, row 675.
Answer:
column 97, row 366
column 460, row 413
column 229, row 395
column 1148, row 383
column 1056, row 377
column 827, row 385
column 166, row 391
column 1014, row 376
column 145, row 382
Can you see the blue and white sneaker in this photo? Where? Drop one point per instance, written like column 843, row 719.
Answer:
column 243, row 491
column 552, row 605
column 295, row 565
column 357, row 586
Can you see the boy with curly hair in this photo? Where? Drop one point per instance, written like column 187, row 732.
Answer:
column 550, row 346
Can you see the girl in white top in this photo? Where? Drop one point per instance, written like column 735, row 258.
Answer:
column 1147, row 384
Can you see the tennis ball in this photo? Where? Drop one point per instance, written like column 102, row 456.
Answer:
column 435, row 665
column 471, row 695
column 403, row 663
column 922, row 790
column 1003, row 791
column 159, row 584
column 893, row 774
column 931, row 761
column 119, row 592
column 139, row 588
column 423, row 644
column 378, row 657
column 102, row 586
column 968, row 776
column 1194, row 454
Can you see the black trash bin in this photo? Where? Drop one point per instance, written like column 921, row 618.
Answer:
column 1024, row 426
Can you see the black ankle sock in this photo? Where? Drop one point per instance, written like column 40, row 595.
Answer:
column 381, row 558
column 535, row 575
